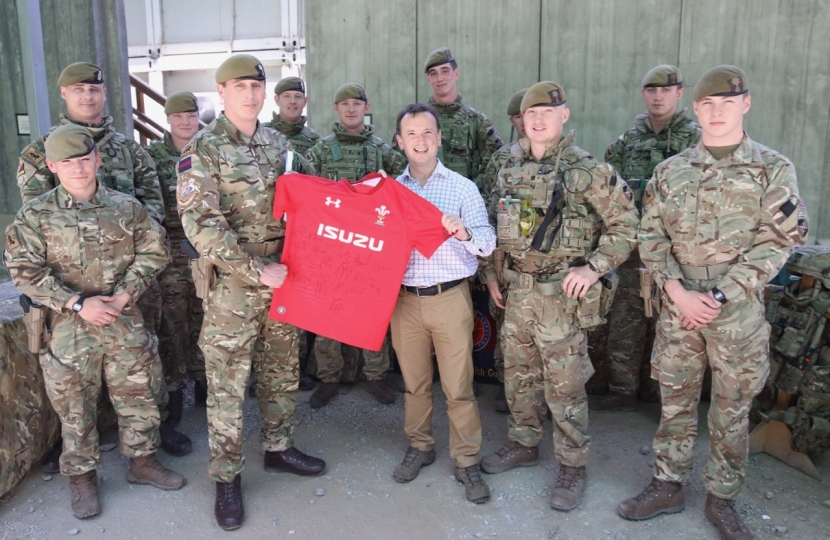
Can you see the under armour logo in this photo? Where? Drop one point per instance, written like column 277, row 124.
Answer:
column 335, row 203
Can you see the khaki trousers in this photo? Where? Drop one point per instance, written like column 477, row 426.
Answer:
column 444, row 321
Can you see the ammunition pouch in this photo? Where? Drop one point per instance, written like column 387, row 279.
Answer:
column 650, row 293
column 34, row 317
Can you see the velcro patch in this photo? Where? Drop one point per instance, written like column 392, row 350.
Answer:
column 12, row 242
column 32, row 156
column 185, row 164
column 788, row 208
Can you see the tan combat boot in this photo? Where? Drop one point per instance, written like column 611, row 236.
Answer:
column 512, row 454
column 84, row 491
column 658, row 498
column 722, row 513
column 148, row 470
column 568, row 489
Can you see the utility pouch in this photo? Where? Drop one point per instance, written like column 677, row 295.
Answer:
column 200, row 268
column 814, row 391
column 592, row 308
column 34, row 317
column 508, row 219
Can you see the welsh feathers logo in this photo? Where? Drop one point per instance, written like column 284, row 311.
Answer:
column 382, row 213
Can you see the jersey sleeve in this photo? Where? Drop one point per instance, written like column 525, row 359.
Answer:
column 283, row 202
column 423, row 223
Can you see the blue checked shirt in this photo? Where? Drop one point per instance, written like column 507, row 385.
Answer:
column 452, row 194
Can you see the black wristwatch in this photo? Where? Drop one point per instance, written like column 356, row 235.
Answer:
column 78, row 305
column 719, row 296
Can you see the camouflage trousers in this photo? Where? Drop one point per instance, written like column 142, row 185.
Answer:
column 546, row 360
column 736, row 346
column 330, row 363
column 78, row 357
column 629, row 331
column 237, row 335
column 498, row 354
column 150, row 306
column 181, row 322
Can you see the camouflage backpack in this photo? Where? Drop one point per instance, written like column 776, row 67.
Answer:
column 800, row 348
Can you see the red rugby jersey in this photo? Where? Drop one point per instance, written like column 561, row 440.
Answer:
column 346, row 248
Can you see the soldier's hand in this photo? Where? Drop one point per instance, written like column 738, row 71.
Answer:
column 119, row 300
column 696, row 309
column 455, row 226
column 273, row 275
column 578, row 281
column 495, row 293
column 99, row 310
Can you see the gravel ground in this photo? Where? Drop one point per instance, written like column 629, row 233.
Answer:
column 362, row 441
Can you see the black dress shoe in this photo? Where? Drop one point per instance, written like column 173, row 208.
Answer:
column 174, row 442
column 174, row 407
column 228, row 508
column 51, row 461
column 294, row 461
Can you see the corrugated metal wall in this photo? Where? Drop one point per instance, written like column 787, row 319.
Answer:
column 599, row 51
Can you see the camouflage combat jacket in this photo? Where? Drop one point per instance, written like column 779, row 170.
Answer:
column 468, row 139
column 301, row 137
column 166, row 158
column 353, row 156
column 588, row 209
column 743, row 211
column 57, row 248
column 640, row 149
column 226, row 187
column 125, row 167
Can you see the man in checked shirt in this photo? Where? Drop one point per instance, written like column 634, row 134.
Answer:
column 434, row 308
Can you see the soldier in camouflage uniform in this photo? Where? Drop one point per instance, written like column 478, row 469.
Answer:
column 657, row 135
column 352, row 152
column 719, row 220
column 565, row 221
column 126, row 168
column 227, row 180
column 468, row 137
column 85, row 252
column 290, row 97
column 181, row 318
column 499, row 158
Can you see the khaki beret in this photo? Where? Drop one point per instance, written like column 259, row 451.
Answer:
column 81, row 72
column 664, row 75
column 514, row 106
column 722, row 80
column 438, row 57
column 240, row 66
column 290, row 84
column 350, row 91
column 181, row 102
column 545, row 93
column 67, row 142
